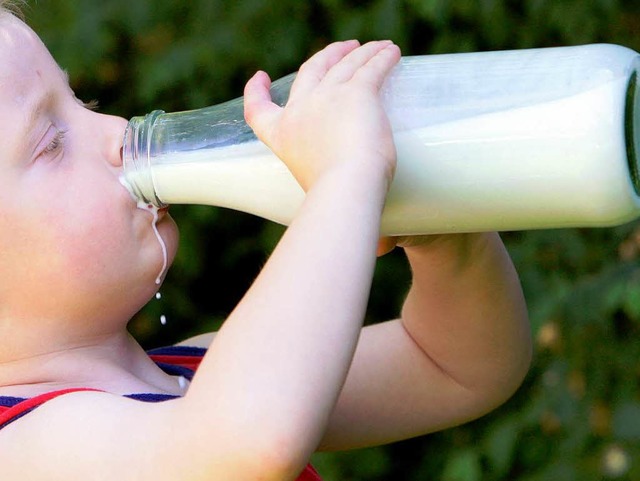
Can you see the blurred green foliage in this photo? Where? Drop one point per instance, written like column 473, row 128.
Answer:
column 577, row 417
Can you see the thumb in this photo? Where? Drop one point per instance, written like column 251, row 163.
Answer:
column 259, row 111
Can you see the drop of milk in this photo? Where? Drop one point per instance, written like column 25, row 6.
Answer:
column 163, row 319
column 158, row 295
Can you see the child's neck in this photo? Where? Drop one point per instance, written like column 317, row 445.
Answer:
column 115, row 364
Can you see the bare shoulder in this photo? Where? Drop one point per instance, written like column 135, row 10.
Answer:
column 90, row 435
column 201, row 340
column 104, row 437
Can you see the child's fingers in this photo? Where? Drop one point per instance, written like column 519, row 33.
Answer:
column 386, row 245
column 351, row 63
column 315, row 68
column 259, row 111
column 375, row 71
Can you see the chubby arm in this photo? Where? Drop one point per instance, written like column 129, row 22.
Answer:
column 461, row 347
column 261, row 399
column 277, row 366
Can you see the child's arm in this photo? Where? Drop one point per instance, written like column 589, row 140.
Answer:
column 291, row 340
column 260, row 401
column 460, row 349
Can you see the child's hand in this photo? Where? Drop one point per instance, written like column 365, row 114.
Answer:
column 334, row 115
column 387, row 244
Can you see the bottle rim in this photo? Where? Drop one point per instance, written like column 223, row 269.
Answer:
column 136, row 158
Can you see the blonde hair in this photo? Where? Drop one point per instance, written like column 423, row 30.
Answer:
column 11, row 7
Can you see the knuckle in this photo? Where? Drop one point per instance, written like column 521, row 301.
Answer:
column 250, row 115
column 306, row 68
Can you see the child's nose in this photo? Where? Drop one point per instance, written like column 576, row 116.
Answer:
column 116, row 128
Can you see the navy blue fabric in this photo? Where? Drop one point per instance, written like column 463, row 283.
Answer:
column 9, row 401
column 178, row 351
column 151, row 398
column 171, row 369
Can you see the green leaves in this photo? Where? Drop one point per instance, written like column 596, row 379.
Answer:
column 626, row 421
column 463, row 466
column 500, row 444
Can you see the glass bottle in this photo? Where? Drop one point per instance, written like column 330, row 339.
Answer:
column 504, row 140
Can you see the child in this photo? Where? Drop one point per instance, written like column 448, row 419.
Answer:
column 292, row 370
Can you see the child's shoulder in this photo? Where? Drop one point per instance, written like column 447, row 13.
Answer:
column 103, row 431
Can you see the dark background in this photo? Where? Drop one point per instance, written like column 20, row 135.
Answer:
column 577, row 417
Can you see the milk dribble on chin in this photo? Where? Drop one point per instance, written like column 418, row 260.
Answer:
column 154, row 225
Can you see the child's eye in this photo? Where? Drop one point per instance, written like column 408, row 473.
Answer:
column 56, row 143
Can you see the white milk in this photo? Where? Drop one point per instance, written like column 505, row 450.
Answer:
column 560, row 163
column 153, row 210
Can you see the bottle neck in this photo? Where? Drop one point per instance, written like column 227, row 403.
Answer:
column 136, row 158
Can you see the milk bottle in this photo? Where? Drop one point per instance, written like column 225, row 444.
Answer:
column 503, row 140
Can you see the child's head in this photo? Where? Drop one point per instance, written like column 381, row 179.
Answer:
column 73, row 245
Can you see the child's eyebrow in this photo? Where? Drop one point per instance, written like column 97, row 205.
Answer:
column 36, row 107
column 34, row 111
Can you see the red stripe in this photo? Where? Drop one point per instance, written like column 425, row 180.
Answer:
column 309, row 474
column 7, row 414
column 190, row 362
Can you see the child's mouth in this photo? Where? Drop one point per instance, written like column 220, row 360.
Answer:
column 162, row 211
